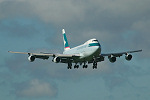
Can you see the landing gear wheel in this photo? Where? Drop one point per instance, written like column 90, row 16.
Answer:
column 69, row 65
column 76, row 66
column 85, row 66
column 94, row 67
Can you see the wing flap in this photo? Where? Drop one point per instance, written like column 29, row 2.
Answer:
column 19, row 52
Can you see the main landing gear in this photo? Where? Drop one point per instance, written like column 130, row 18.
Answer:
column 70, row 66
column 76, row 66
column 84, row 66
column 94, row 65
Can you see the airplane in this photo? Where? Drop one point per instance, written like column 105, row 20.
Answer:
column 89, row 52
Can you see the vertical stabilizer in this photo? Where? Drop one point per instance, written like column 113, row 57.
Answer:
column 66, row 45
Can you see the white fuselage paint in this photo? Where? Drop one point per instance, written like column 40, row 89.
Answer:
column 87, row 51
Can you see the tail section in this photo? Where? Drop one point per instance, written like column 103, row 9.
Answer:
column 66, row 45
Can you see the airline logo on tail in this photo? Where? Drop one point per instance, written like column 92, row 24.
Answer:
column 66, row 45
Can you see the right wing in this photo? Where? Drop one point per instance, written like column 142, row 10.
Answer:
column 44, row 56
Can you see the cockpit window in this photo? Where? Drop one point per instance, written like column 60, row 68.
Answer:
column 95, row 41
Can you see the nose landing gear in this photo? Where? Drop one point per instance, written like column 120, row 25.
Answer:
column 94, row 63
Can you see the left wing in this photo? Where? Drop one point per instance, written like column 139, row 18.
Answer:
column 112, row 56
column 44, row 56
column 120, row 54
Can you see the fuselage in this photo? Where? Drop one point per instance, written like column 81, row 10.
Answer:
column 87, row 51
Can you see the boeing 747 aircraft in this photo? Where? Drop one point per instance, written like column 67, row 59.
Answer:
column 89, row 52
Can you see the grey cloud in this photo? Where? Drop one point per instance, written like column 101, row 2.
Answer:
column 100, row 15
column 58, row 11
column 107, row 20
column 142, row 36
column 17, row 28
column 142, row 26
column 36, row 89
column 17, row 20
column 15, row 8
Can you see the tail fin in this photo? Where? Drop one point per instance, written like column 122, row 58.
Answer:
column 66, row 45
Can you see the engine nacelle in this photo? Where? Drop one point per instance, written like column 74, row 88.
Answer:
column 128, row 57
column 112, row 59
column 31, row 58
column 56, row 59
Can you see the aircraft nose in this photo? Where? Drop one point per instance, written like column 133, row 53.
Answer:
column 97, row 48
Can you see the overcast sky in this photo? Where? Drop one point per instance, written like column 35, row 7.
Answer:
column 35, row 26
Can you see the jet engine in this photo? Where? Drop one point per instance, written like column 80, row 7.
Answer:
column 56, row 59
column 112, row 59
column 31, row 58
column 128, row 57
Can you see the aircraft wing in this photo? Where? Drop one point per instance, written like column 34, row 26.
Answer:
column 112, row 56
column 47, row 55
column 36, row 54
column 120, row 54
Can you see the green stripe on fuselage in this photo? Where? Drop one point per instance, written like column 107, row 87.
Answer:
column 94, row 44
